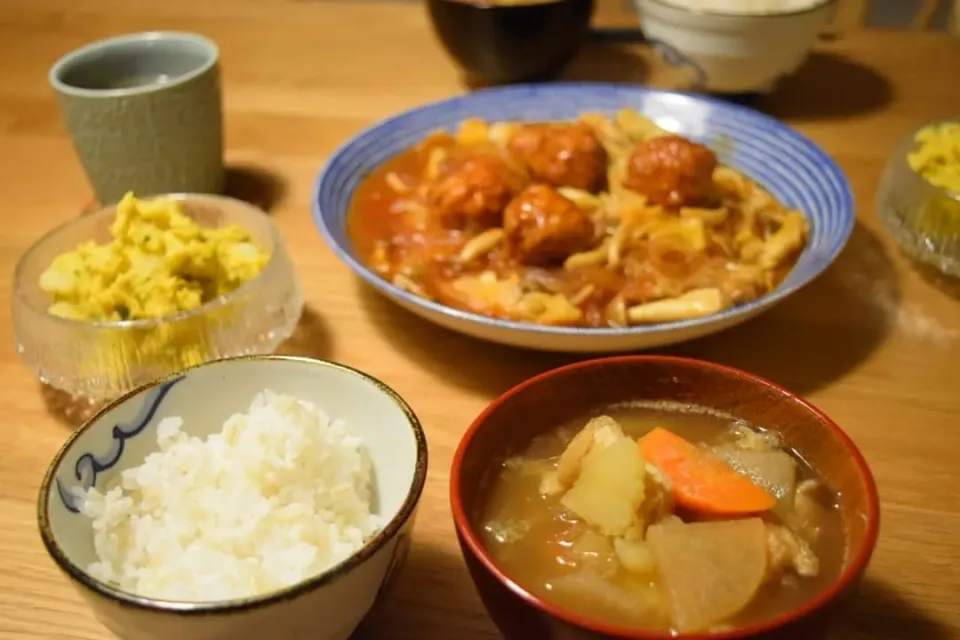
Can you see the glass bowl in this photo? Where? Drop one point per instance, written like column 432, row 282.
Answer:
column 923, row 218
column 98, row 361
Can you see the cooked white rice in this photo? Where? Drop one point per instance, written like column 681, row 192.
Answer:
column 747, row 7
column 280, row 494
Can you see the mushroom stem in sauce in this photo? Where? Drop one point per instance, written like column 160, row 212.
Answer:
column 693, row 304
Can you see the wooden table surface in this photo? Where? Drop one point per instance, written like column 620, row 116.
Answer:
column 873, row 342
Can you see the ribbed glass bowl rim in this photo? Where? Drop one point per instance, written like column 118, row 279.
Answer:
column 276, row 243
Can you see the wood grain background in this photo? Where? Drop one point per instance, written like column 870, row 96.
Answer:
column 874, row 342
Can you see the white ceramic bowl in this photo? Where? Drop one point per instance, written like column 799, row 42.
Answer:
column 733, row 53
column 326, row 607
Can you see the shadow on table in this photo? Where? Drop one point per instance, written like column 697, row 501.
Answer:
column 466, row 362
column 828, row 85
column 948, row 285
column 66, row 409
column 878, row 612
column 255, row 184
column 311, row 337
column 430, row 574
column 607, row 62
column 820, row 333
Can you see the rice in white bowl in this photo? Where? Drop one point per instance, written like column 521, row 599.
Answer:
column 280, row 494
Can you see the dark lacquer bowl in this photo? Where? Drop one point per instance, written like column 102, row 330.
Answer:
column 499, row 43
column 553, row 398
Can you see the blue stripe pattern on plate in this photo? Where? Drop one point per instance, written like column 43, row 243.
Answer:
column 789, row 165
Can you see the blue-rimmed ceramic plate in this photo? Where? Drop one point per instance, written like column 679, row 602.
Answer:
column 792, row 167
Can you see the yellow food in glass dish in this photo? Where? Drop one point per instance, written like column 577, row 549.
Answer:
column 936, row 159
column 159, row 263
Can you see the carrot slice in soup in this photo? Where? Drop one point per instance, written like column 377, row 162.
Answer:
column 702, row 482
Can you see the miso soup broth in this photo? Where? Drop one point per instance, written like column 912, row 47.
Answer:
column 666, row 518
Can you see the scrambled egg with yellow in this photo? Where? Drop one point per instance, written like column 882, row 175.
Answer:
column 159, row 262
column 937, row 155
column 936, row 159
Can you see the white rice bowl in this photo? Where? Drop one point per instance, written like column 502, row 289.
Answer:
column 279, row 494
column 367, row 428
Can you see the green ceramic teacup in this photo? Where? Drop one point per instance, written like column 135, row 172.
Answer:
column 144, row 113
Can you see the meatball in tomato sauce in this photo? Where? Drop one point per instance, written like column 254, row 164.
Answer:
column 473, row 190
column 561, row 155
column 672, row 171
column 543, row 227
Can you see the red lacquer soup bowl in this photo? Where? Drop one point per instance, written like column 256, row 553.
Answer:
column 554, row 398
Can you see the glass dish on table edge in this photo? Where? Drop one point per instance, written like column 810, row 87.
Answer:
column 97, row 361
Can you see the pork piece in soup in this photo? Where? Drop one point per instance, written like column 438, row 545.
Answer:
column 664, row 518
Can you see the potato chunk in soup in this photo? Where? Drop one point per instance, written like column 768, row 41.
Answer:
column 609, row 490
column 595, row 524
